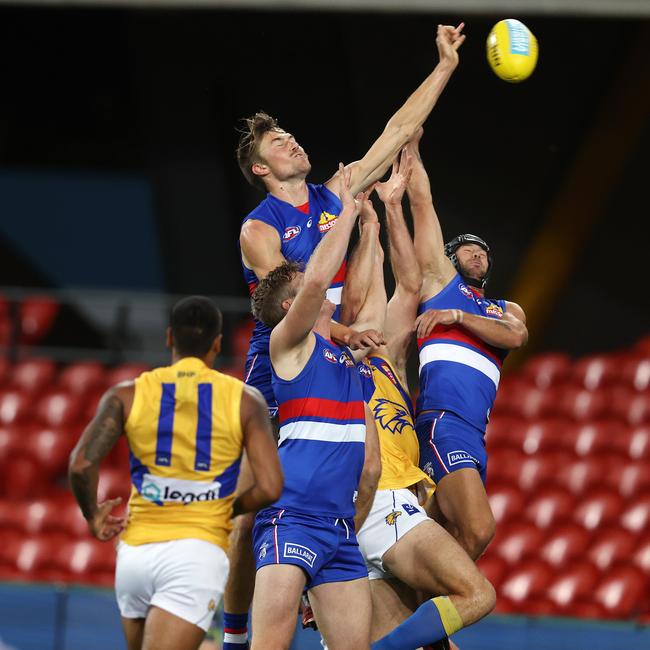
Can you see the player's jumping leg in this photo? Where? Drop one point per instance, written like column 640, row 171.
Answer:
column 164, row 631
column 392, row 603
column 343, row 627
column 428, row 559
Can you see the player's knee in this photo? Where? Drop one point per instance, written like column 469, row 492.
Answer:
column 479, row 600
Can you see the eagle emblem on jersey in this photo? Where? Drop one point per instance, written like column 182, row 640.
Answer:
column 326, row 221
column 391, row 415
column 391, row 518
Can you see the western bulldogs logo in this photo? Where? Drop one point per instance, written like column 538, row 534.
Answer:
column 291, row 232
column 391, row 519
column 391, row 415
column 326, row 221
column 494, row 311
column 345, row 358
column 466, row 291
column 330, row 356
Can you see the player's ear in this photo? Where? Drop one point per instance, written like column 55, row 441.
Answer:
column 169, row 338
column 260, row 169
column 216, row 345
column 286, row 303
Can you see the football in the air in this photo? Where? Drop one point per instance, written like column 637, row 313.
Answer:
column 512, row 50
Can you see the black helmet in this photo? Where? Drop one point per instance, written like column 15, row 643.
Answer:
column 450, row 251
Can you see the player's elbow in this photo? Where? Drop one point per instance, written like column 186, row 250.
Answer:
column 519, row 337
column 371, row 471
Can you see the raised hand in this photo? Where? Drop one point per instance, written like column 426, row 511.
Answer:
column 392, row 191
column 104, row 525
column 427, row 321
column 448, row 40
column 348, row 201
column 366, row 339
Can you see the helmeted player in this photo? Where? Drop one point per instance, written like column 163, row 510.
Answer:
column 463, row 339
column 186, row 426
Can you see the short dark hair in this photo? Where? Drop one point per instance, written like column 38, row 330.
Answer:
column 266, row 301
column 248, row 149
column 195, row 322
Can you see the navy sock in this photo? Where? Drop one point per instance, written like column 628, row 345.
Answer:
column 235, row 631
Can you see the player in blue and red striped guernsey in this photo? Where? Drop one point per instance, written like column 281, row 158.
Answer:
column 463, row 339
column 329, row 452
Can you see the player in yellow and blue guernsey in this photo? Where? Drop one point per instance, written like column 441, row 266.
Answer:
column 463, row 338
column 406, row 551
column 186, row 426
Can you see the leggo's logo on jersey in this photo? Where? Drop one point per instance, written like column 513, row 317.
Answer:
column 466, row 291
column 291, row 232
column 326, row 221
column 330, row 356
column 494, row 310
column 161, row 490
column 300, row 552
column 345, row 358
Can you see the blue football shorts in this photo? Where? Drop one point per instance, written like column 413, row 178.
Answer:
column 325, row 548
column 449, row 443
column 258, row 374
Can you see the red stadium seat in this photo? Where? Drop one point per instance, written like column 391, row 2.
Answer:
column 34, row 557
column 630, row 406
column 503, row 432
column 90, row 407
column 586, row 609
column 234, row 371
column 581, row 404
column 533, row 403
column 113, row 483
column 637, row 443
column 73, row 522
column 611, row 547
column 493, row 568
column 546, row 370
column 636, row 373
column 546, row 435
column 576, row 581
column 59, row 409
column 642, row 555
column 83, row 377
column 23, row 478
column 506, row 502
column 623, row 592
column 51, row 448
column 551, row 507
column 511, row 389
column 15, row 407
column 582, row 475
column 505, row 465
column 119, row 455
column 527, row 580
column 82, row 558
column 125, row 372
column 33, row 376
column 5, row 370
column 37, row 315
column 628, row 479
column 11, row 439
column 642, row 346
column 539, row 470
column 600, row 508
column 636, row 516
column 241, row 339
column 520, row 542
column 565, row 545
column 595, row 437
column 596, row 371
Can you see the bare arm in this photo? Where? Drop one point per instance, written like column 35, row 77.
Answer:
column 507, row 333
column 370, row 474
column 437, row 270
column 260, row 247
column 262, row 454
column 403, row 125
column 97, row 440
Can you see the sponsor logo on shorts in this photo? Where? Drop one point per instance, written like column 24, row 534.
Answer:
column 410, row 509
column 291, row 232
column 262, row 553
column 391, row 518
column 301, row 552
column 466, row 291
column 326, row 221
column 460, row 456
column 345, row 358
column 494, row 310
column 330, row 356
column 160, row 490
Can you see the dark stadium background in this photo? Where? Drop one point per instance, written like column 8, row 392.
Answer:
column 118, row 179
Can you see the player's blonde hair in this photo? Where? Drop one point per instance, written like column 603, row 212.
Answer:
column 250, row 138
column 272, row 291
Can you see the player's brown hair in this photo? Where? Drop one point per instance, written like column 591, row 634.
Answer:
column 266, row 301
column 250, row 137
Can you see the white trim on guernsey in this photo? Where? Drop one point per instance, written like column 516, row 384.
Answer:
column 334, row 294
column 322, row 431
column 459, row 354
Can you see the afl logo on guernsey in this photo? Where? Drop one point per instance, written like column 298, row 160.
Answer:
column 291, row 232
column 466, row 291
column 330, row 356
column 326, row 221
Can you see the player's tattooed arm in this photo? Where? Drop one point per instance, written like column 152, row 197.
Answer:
column 95, row 443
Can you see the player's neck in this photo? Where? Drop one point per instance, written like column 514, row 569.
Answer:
column 293, row 190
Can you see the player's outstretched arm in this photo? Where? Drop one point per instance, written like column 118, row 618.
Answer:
column 96, row 441
column 403, row 125
column 437, row 270
column 260, row 247
column 370, row 474
column 294, row 329
column 262, row 454
column 508, row 333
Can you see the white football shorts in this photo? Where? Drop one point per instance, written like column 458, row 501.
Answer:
column 185, row 577
column 393, row 514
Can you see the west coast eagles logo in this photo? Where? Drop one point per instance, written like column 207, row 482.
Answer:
column 391, row 415
column 391, row 518
column 326, row 221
